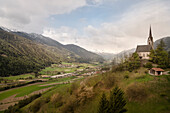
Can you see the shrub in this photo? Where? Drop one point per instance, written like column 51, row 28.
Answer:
column 55, row 98
column 146, row 71
column 72, row 88
column 38, row 104
column 136, row 71
column 109, row 81
column 148, row 65
column 126, row 76
column 21, row 103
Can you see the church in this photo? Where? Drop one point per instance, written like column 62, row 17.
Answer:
column 144, row 50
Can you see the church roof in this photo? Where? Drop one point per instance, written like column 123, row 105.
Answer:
column 143, row 48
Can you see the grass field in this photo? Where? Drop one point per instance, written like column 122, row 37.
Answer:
column 54, row 69
column 21, row 91
column 18, row 77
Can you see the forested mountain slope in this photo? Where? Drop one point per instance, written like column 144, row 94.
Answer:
column 19, row 55
column 166, row 40
column 22, row 53
column 85, row 56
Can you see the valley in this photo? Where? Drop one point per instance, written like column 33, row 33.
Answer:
column 24, row 86
column 41, row 75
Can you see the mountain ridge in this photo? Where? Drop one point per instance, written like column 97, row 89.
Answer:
column 23, row 53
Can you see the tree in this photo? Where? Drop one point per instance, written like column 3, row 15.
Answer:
column 103, row 104
column 148, row 65
column 115, row 104
column 134, row 62
column 160, row 56
column 117, row 101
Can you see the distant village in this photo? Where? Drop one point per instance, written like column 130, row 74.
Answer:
column 88, row 71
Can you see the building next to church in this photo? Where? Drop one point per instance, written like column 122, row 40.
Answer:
column 144, row 50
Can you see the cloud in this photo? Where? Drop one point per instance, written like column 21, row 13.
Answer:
column 131, row 27
column 126, row 33
column 30, row 15
column 63, row 34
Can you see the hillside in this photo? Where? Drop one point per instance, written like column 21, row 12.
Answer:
column 85, row 56
column 80, row 54
column 19, row 55
column 23, row 53
column 167, row 42
column 143, row 93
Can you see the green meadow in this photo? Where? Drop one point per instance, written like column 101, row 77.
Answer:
column 19, row 77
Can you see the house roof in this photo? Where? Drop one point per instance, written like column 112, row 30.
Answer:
column 143, row 48
column 157, row 69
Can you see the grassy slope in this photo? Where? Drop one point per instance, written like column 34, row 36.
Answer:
column 21, row 91
column 150, row 94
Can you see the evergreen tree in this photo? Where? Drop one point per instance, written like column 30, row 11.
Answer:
column 117, row 101
column 115, row 104
column 103, row 104
column 160, row 56
column 134, row 62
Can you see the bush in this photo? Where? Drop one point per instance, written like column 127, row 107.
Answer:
column 56, row 99
column 146, row 71
column 109, row 81
column 148, row 65
column 126, row 76
column 21, row 103
column 38, row 104
column 72, row 88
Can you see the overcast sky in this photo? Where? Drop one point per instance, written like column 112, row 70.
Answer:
column 97, row 25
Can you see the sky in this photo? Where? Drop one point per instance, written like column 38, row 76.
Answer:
column 96, row 25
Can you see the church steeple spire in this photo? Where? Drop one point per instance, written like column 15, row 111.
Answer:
column 150, row 32
column 150, row 38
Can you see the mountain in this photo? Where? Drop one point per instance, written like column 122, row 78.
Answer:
column 126, row 52
column 166, row 40
column 118, row 56
column 23, row 52
column 106, row 56
column 85, row 56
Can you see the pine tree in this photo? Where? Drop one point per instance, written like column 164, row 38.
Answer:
column 160, row 56
column 117, row 101
column 103, row 104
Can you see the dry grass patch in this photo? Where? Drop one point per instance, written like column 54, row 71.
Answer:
column 137, row 92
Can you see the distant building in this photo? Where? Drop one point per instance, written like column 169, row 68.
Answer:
column 144, row 50
column 156, row 71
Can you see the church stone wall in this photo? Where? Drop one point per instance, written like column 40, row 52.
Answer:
column 144, row 55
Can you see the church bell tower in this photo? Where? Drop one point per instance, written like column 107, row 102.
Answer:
column 150, row 38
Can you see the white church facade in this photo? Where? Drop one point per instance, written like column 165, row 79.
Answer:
column 144, row 50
